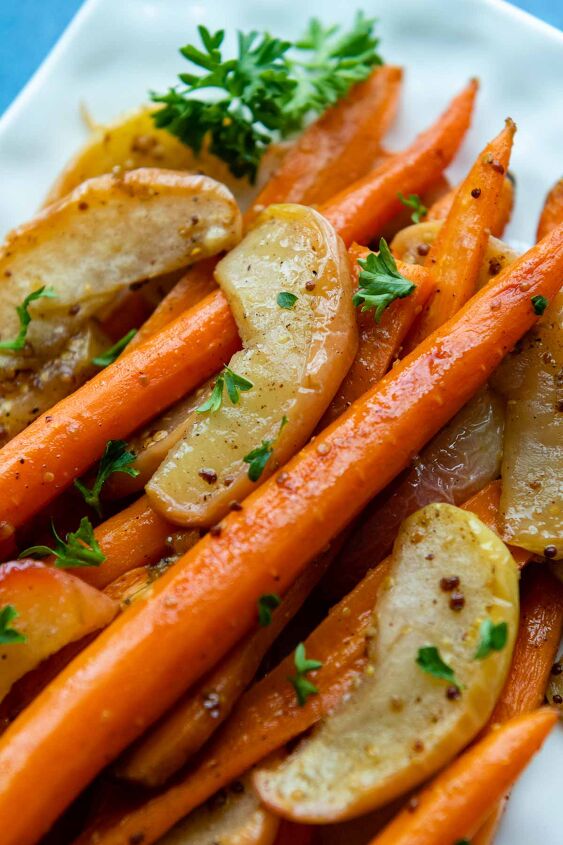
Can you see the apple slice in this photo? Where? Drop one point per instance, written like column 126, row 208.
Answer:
column 53, row 608
column 432, row 679
column 232, row 817
column 290, row 289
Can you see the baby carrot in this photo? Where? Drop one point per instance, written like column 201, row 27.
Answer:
column 552, row 212
column 441, row 208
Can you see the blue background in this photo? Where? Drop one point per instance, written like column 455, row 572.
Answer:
column 29, row 28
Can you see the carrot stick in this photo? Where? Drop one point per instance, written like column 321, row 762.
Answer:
column 338, row 148
column 379, row 342
column 486, row 505
column 359, row 211
column 457, row 253
column 441, row 208
column 43, row 460
column 552, row 212
column 454, row 805
column 206, row 602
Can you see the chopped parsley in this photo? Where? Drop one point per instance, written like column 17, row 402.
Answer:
column 539, row 304
column 430, row 661
column 491, row 638
column 259, row 457
column 235, row 385
column 9, row 635
column 25, row 318
column 285, row 299
column 116, row 458
column 413, row 201
column 302, row 685
column 266, row 604
column 267, row 92
column 380, row 282
column 80, row 549
column 113, row 353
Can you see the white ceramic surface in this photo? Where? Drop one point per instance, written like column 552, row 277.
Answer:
column 115, row 50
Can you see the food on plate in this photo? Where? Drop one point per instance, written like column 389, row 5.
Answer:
column 280, row 462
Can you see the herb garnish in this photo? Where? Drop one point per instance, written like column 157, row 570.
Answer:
column 301, row 684
column 285, row 299
column 80, row 549
column 267, row 92
column 259, row 457
column 491, row 638
column 380, row 282
column 112, row 354
column 25, row 318
column 116, row 458
column 430, row 661
column 235, row 385
column 9, row 635
column 413, row 201
column 266, row 604
column 539, row 304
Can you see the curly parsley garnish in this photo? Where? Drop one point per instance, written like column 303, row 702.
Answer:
column 240, row 105
column 80, row 549
column 112, row 354
column 266, row 604
column 430, row 661
column 491, row 638
column 302, row 685
column 9, row 635
column 25, row 318
column 116, row 458
column 286, row 299
column 235, row 385
column 413, row 201
column 380, row 282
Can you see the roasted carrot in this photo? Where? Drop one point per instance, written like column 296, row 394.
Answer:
column 454, row 805
column 359, row 211
column 487, row 832
column 206, row 602
column 457, row 253
column 379, row 342
column 441, row 208
column 552, row 212
column 338, row 148
column 41, row 461
column 486, row 505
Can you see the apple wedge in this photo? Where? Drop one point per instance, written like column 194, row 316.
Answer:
column 443, row 635
column 53, row 608
column 290, row 289
column 232, row 817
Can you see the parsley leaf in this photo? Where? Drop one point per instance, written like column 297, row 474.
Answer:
column 25, row 317
column 539, row 304
column 301, row 684
column 430, row 661
column 9, row 635
column 266, row 604
column 380, row 282
column 491, row 638
column 113, row 353
column 240, row 105
column 413, row 201
column 80, row 549
column 116, row 458
column 285, row 299
column 235, row 385
column 259, row 457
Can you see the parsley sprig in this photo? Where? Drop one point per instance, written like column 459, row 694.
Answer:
column 240, row 105
column 430, row 660
column 259, row 457
column 235, row 385
column 302, row 685
column 112, row 354
column 116, row 458
column 380, row 282
column 25, row 318
column 266, row 605
column 539, row 304
column 9, row 635
column 413, row 201
column 80, row 549
column 491, row 638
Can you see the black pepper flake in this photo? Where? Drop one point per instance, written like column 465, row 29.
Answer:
column 208, row 475
column 557, row 669
column 550, row 551
column 449, row 583
column 423, row 249
column 215, row 530
column 457, row 601
column 235, row 506
column 453, row 693
column 476, row 193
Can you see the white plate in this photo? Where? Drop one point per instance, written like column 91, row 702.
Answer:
column 117, row 49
